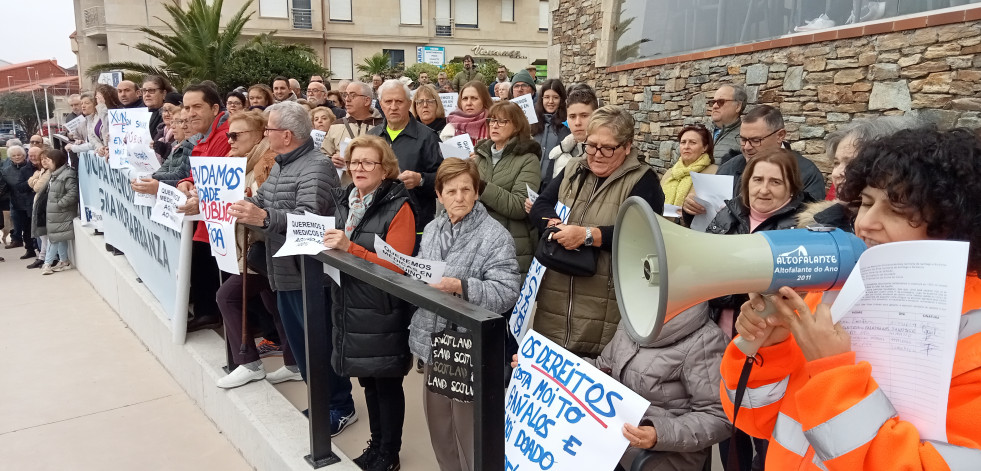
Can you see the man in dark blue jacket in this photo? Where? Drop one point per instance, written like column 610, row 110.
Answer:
column 13, row 182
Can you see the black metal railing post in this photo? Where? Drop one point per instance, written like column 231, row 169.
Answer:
column 315, row 319
column 489, row 388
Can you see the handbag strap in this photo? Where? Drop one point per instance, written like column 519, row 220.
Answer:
column 347, row 125
column 733, row 460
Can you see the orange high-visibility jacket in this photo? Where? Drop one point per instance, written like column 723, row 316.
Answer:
column 829, row 414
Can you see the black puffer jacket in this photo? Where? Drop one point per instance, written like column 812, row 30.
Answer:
column 734, row 219
column 13, row 183
column 371, row 327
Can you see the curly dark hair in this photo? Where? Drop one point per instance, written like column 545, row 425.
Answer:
column 932, row 175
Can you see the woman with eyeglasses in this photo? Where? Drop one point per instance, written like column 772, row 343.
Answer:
column 235, row 102
column 580, row 312
column 245, row 138
column 695, row 150
column 260, row 96
column 508, row 165
column 470, row 115
column 371, row 327
column 428, row 108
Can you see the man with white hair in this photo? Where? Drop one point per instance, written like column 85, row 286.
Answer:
column 13, row 183
column 301, row 181
column 295, row 88
column 317, row 96
column 361, row 117
column 416, row 147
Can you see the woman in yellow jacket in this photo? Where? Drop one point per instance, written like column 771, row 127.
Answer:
column 817, row 406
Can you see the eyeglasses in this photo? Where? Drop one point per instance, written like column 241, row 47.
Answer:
column 233, row 103
column 311, row 91
column 498, row 122
column 150, row 90
column 429, row 102
column 720, row 102
column 351, row 95
column 366, row 165
column 604, row 151
column 755, row 141
column 233, row 136
column 521, row 85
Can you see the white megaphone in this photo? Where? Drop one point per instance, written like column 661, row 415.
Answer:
column 660, row 268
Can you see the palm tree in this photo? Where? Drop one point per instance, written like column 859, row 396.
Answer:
column 197, row 48
column 375, row 64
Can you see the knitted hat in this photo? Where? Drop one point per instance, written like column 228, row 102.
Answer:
column 522, row 76
column 173, row 98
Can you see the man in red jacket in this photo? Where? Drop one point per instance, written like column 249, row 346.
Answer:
column 204, row 116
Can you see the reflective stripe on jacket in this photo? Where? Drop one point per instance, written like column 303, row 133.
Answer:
column 829, row 414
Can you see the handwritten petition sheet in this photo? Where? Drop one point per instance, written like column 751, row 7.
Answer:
column 902, row 307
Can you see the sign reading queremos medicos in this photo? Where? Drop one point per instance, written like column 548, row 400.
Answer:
column 564, row 414
column 426, row 271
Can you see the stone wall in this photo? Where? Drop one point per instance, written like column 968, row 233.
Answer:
column 933, row 72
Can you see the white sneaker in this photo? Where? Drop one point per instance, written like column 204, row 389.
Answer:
column 282, row 375
column 240, row 376
column 46, row 269
column 62, row 266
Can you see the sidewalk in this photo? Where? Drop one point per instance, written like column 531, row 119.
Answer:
column 81, row 392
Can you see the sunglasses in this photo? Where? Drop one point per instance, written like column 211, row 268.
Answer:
column 720, row 102
column 233, row 136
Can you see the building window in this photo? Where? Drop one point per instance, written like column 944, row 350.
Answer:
column 411, row 12
column 342, row 63
column 507, row 11
column 466, row 14
column 395, row 56
column 544, row 16
column 340, row 10
column 273, row 9
column 645, row 29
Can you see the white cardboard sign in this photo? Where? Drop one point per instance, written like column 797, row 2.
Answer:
column 426, row 271
column 460, row 147
column 165, row 209
column 527, row 105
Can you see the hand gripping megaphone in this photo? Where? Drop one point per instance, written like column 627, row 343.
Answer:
column 660, row 268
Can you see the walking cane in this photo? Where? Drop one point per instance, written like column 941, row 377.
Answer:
column 245, row 299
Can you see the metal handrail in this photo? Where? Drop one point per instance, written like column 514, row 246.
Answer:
column 488, row 330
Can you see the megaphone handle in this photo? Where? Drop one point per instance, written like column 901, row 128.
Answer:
column 750, row 348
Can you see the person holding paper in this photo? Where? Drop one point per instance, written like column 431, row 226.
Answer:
column 823, row 409
column 550, row 130
column 428, row 108
column 371, row 327
column 245, row 136
column 481, row 267
column 581, row 313
column 470, row 115
column 508, row 164
column 695, row 150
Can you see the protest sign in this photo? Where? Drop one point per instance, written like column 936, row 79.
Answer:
column 460, row 147
column 450, row 371
column 153, row 250
column 318, row 138
column 449, row 101
column 528, row 106
column 426, row 271
column 521, row 315
column 220, row 181
column 73, row 125
column 143, row 199
column 305, row 234
column 130, row 143
column 564, row 414
column 118, row 123
column 165, row 209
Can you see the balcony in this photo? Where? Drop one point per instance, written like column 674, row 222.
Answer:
column 444, row 27
column 302, row 18
column 94, row 21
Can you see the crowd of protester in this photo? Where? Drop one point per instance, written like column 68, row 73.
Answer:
column 380, row 172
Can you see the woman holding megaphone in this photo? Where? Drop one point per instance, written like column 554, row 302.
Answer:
column 820, row 408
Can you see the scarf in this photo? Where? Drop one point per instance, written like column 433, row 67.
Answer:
column 473, row 124
column 678, row 185
column 756, row 218
column 358, row 208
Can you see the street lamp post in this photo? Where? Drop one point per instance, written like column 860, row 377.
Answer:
column 47, row 114
column 34, row 97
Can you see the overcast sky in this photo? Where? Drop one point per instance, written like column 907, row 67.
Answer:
column 36, row 30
